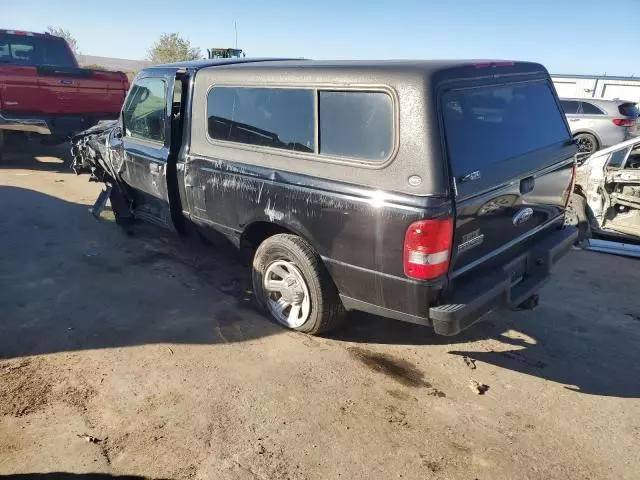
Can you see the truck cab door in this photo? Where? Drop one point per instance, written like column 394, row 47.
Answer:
column 146, row 140
column 622, row 184
column 590, row 177
column 610, row 180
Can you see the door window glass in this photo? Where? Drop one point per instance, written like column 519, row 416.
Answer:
column 591, row 109
column 144, row 112
column 570, row 107
column 35, row 50
column 356, row 124
column 269, row 117
column 618, row 157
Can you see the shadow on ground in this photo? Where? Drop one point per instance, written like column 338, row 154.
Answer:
column 70, row 282
column 595, row 359
column 33, row 156
column 72, row 476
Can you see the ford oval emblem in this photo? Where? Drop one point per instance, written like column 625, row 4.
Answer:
column 522, row 216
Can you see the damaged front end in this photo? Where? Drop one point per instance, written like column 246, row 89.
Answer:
column 622, row 197
column 609, row 180
column 90, row 151
column 93, row 153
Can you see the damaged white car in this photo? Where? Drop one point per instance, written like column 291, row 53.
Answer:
column 606, row 200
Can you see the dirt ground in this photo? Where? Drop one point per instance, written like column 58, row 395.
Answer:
column 144, row 355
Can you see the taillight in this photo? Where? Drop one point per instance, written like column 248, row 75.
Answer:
column 427, row 248
column 492, row 64
column 624, row 122
column 20, row 32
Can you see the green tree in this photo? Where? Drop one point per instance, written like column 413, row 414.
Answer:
column 170, row 47
column 66, row 34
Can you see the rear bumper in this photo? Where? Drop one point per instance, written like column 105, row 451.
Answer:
column 35, row 125
column 506, row 286
column 621, row 134
column 62, row 125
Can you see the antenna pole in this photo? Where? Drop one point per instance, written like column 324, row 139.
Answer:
column 235, row 27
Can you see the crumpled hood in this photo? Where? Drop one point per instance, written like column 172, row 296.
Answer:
column 99, row 128
column 90, row 151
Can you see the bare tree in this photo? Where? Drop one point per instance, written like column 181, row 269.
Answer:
column 170, row 47
column 66, row 34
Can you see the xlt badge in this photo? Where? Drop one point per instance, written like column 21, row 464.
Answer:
column 470, row 240
column 470, row 177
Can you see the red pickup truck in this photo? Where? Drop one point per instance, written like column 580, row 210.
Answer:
column 43, row 90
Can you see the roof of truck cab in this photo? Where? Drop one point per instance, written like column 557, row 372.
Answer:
column 423, row 66
column 417, row 142
column 214, row 62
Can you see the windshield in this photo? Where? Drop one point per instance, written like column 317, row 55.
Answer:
column 485, row 126
column 35, row 50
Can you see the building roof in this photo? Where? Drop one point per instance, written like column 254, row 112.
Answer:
column 597, row 77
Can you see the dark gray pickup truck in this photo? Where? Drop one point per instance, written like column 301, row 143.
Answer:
column 427, row 191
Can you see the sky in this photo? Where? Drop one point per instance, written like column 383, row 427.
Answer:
column 567, row 36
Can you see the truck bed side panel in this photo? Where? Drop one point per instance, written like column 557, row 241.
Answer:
column 352, row 228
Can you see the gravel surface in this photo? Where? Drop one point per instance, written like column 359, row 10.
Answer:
column 145, row 355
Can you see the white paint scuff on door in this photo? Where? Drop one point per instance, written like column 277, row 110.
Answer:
column 272, row 213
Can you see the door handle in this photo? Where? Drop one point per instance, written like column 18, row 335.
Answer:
column 527, row 185
column 154, row 168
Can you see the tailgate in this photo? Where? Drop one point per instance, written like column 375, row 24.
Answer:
column 103, row 92
column 80, row 91
column 19, row 92
column 511, row 156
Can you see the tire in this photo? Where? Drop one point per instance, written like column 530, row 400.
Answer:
column 577, row 215
column 586, row 142
column 121, row 208
column 291, row 263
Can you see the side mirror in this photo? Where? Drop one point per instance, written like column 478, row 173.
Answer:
column 144, row 94
column 117, row 133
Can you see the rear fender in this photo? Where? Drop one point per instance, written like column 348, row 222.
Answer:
column 286, row 221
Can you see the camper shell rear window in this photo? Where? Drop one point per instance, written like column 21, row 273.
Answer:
column 487, row 126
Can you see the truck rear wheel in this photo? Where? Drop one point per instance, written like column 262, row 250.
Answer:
column 292, row 283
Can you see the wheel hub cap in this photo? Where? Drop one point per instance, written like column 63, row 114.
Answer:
column 292, row 291
column 287, row 293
